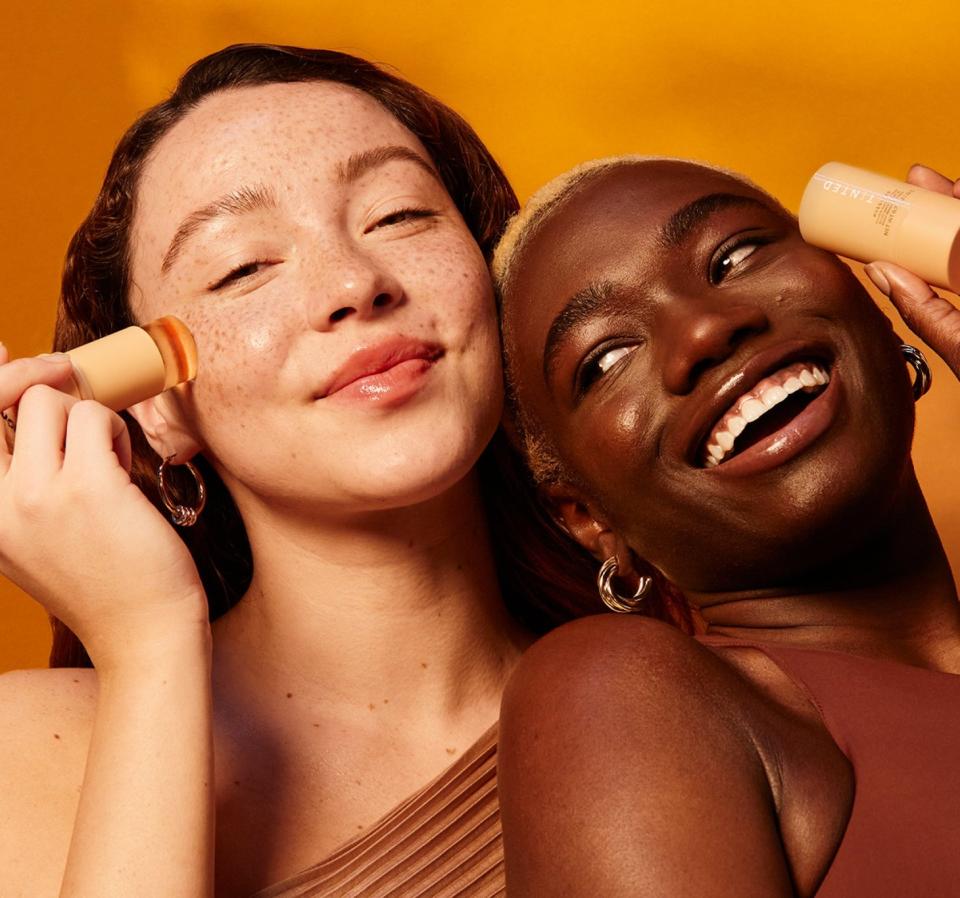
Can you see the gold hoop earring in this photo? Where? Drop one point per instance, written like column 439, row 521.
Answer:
column 611, row 598
column 182, row 515
column 916, row 360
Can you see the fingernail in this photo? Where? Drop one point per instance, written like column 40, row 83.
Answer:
column 878, row 277
column 53, row 356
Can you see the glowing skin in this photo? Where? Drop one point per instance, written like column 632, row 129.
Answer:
column 331, row 267
column 705, row 319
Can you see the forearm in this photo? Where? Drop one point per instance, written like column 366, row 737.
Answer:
column 145, row 822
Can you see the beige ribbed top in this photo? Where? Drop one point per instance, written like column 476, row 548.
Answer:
column 443, row 841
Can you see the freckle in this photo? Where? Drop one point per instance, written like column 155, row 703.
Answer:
column 316, row 724
column 76, row 681
column 372, row 706
column 359, row 826
column 451, row 751
column 386, row 701
column 409, row 543
column 56, row 735
column 357, row 782
column 236, row 782
column 424, row 665
column 459, row 567
column 289, row 695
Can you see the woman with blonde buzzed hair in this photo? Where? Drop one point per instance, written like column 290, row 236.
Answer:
column 703, row 394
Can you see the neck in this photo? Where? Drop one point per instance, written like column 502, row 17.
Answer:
column 397, row 612
column 892, row 597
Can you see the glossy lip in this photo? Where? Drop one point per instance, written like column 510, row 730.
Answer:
column 692, row 436
column 370, row 370
column 791, row 439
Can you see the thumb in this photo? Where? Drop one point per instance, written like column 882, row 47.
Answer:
column 931, row 317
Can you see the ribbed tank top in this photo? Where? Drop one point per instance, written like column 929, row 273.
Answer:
column 443, row 841
column 899, row 726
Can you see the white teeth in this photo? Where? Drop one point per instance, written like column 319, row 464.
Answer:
column 792, row 384
column 771, row 391
column 737, row 425
column 772, row 396
column 752, row 409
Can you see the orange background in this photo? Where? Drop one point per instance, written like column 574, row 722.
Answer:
column 772, row 90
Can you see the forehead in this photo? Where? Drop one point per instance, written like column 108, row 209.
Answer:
column 279, row 134
column 271, row 125
column 602, row 231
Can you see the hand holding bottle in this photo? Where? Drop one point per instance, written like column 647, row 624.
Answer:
column 932, row 318
column 76, row 533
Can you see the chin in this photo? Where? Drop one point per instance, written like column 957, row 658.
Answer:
column 412, row 472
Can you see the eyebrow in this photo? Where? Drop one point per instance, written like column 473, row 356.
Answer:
column 687, row 219
column 360, row 163
column 581, row 307
column 238, row 202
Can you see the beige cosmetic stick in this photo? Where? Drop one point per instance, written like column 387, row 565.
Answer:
column 131, row 365
column 873, row 218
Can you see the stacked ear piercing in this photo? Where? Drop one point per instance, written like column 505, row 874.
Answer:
column 919, row 364
column 182, row 515
column 611, row 598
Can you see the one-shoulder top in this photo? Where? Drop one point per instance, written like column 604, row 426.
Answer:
column 443, row 841
column 899, row 726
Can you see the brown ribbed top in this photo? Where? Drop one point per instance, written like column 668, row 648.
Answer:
column 443, row 841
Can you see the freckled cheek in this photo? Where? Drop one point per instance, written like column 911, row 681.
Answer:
column 238, row 356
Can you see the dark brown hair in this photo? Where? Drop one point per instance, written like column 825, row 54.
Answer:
column 543, row 583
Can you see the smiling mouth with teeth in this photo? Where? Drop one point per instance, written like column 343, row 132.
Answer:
column 764, row 409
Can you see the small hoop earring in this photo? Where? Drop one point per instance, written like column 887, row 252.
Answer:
column 182, row 515
column 611, row 598
column 919, row 364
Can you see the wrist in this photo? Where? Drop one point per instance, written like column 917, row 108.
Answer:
column 154, row 642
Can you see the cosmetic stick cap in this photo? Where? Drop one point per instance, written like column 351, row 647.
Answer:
column 134, row 364
column 872, row 218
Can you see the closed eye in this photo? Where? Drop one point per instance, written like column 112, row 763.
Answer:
column 401, row 216
column 247, row 269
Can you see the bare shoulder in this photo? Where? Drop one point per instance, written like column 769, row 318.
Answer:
column 46, row 719
column 607, row 660
column 626, row 741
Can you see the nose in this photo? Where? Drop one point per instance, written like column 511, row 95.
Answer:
column 358, row 287
column 703, row 334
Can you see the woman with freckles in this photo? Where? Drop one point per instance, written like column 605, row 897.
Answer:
column 321, row 226
column 698, row 388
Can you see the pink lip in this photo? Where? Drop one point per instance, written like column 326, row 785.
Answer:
column 388, row 371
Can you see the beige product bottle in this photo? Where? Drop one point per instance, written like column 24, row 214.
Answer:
column 131, row 365
column 873, row 218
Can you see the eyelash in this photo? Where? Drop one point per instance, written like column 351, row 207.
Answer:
column 239, row 273
column 412, row 213
column 391, row 220
column 718, row 272
column 590, row 372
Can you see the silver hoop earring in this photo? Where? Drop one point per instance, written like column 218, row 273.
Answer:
column 182, row 515
column 611, row 598
column 919, row 364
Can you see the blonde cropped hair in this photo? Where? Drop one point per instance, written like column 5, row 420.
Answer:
column 541, row 456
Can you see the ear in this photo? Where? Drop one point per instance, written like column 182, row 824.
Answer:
column 163, row 422
column 579, row 517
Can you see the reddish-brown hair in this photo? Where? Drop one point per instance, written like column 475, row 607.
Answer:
column 545, row 579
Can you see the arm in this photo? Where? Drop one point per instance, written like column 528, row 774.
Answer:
column 83, row 540
column 623, row 774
